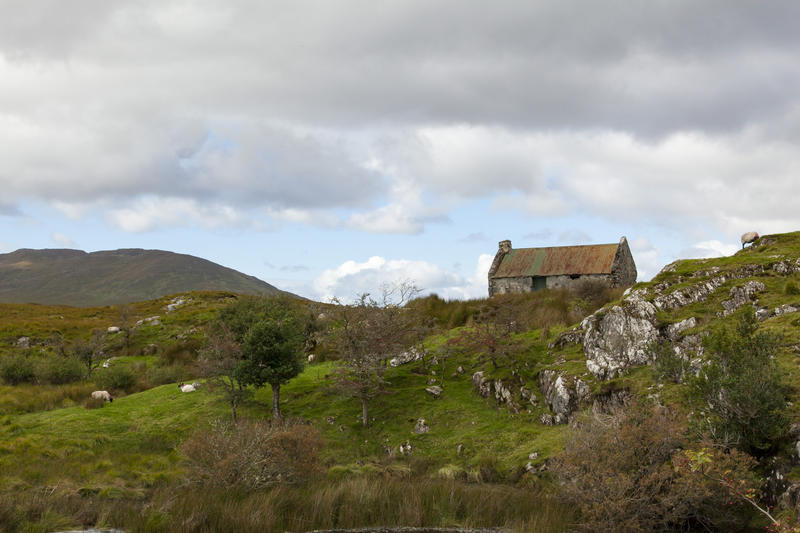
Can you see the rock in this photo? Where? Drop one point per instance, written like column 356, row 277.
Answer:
column 152, row 321
column 546, row 419
column 674, row 330
column 434, row 391
column 619, row 338
column 175, row 303
column 562, row 395
column 482, row 384
column 533, row 455
column 785, row 308
column 420, row 427
column 529, row 467
column 150, row 349
column 405, row 448
column 330, row 420
column 763, row 314
column 740, row 296
column 408, row 356
column 501, row 393
column 311, row 358
column 113, row 329
column 459, row 449
column 460, row 369
column 23, row 342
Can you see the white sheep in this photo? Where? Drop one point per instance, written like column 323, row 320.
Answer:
column 188, row 387
column 311, row 358
column 102, row 395
column 749, row 237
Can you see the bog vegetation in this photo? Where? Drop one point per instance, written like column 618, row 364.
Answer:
column 367, row 412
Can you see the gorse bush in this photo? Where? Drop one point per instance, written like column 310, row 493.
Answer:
column 59, row 370
column 116, row 377
column 739, row 395
column 17, row 368
column 253, row 454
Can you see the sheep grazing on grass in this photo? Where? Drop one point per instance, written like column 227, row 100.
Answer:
column 749, row 237
column 188, row 387
column 102, row 395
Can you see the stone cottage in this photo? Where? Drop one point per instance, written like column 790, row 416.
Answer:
column 532, row 269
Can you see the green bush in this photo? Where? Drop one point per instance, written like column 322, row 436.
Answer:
column 161, row 375
column 739, row 395
column 667, row 365
column 115, row 378
column 791, row 289
column 17, row 368
column 59, row 370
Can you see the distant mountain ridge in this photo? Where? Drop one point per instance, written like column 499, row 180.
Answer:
column 82, row 279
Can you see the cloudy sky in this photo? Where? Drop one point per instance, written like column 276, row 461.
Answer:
column 327, row 147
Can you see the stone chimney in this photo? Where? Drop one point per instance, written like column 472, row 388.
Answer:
column 503, row 247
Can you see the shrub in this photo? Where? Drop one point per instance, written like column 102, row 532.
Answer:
column 59, row 370
column 184, row 352
column 667, row 365
column 791, row 289
column 115, row 377
column 17, row 368
column 739, row 395
column 161, row 375
column 618, row 473
column 251, row 455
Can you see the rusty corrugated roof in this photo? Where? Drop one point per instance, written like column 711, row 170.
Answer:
column 557, row 260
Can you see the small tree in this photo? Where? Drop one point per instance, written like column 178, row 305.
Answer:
column 739, row 393
column 273, row 353
column 491, row 334
column 220, row 360
column 126, row 325
column 368, row 333
column 89, row 353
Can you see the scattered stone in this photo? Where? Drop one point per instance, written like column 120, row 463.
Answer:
column 152, row 321
column 330, row 420
column 435, row 391
column 23, row 342
column 408, row 356
column 175, row 303
column 113, row 329
column 311, row 358
column 405, row 448
column 459, row 449
column 563, row 395
column 420, row 427
column 546, row 419
column 150, row 349
column 482, row 384
column 529, row 467
column 533, row 455
column 460, row 369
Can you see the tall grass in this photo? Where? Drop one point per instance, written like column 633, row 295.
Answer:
column 355, row 502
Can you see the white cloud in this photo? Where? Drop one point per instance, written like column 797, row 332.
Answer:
column 147, row 214
column 62, row 240
column 352, row 278
column 712, row 248
column 647, row 258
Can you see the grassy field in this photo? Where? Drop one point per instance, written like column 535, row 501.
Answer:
column 64, row 464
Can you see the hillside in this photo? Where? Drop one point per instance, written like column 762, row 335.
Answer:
column 484, row 455
column 77, row 278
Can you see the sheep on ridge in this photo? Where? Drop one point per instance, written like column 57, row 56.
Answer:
column 102, row 395
column 188, row 387
column 749, row 237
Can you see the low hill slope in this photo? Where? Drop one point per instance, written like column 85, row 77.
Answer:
column 77, row 278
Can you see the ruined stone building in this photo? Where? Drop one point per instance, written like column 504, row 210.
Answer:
column 532, row 269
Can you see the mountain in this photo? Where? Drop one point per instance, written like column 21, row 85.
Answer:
column 78, row 278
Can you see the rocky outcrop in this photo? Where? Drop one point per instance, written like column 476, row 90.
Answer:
column 562, row 394
column 617, row 338
column 409, row 356
column 739, row 296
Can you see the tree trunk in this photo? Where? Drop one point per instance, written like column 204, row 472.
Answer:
column 364, row 414
column 276, row 399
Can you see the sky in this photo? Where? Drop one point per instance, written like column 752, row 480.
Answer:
column 331, row 147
